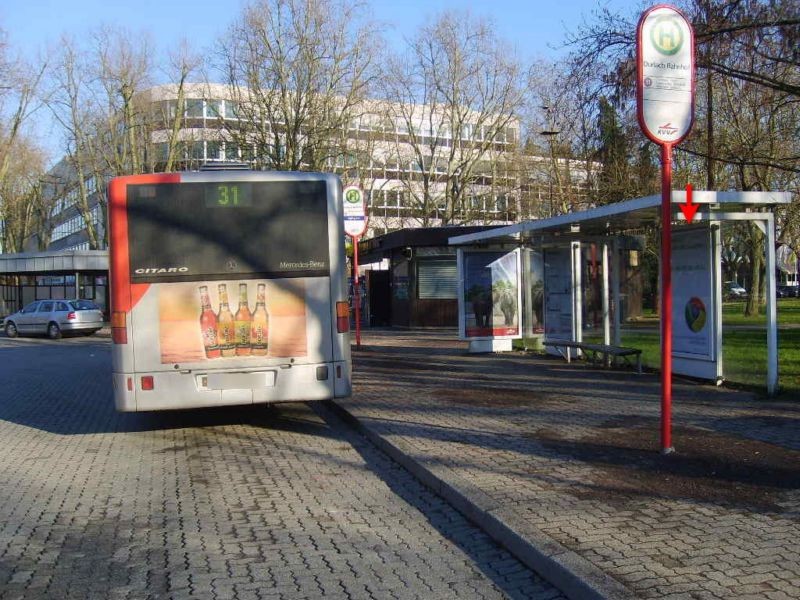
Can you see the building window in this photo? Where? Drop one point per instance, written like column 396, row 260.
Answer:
column 194, row 109
column 196, row 150
column 437, row 279
column 231, row 109
column 213, row 150
column 231, row 151
column 161, row 151
column 214, row 109
column 171, row 109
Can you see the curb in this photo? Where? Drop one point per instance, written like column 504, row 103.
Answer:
column 572, row 574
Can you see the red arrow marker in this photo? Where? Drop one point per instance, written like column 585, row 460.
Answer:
column 688, row 209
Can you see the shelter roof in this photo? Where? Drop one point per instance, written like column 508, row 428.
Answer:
column 381, row 246
column 68, row 261
column 629, row 215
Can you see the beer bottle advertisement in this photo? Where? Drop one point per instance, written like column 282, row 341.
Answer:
column 242, row 323
column 197, row 322
column 225, row 324
column 259, row 328
column 208, row 325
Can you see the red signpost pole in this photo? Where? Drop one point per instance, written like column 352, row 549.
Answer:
column 355, row 224
column 665, row 110
column 356, row 293
column 666, row 299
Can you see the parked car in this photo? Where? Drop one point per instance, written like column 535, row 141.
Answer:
column 733, row 291
column 788, row 291
column 54, row 317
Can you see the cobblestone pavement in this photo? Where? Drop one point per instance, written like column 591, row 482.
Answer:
column 285, row 502
column 573, row 451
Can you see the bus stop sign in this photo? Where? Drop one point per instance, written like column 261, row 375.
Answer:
column 665, row 75
column 355, row 214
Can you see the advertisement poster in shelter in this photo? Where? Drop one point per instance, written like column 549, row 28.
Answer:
column 692, row 294
column 558, row 304
column 536, row 284
column 491, row 294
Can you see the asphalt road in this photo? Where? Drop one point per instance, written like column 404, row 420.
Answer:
column 280, row 502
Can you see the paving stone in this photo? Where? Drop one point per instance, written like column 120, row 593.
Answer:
column 287, row 502
column 509, row 443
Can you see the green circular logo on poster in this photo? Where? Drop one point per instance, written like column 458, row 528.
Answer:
column 353, row 196
column 667, row 35
column 695, row 314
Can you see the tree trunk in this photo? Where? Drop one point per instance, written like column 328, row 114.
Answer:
column 756, row 264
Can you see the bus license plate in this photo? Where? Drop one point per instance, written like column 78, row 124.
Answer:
column 240, row 381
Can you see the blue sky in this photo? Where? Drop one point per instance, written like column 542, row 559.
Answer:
column 532, row 26
column 535, row 28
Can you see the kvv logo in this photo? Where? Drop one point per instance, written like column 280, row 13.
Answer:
column 667, row 35
column 667, row 130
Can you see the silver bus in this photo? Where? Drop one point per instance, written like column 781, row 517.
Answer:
column 227, row 288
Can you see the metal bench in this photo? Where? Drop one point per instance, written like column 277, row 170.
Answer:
column 608, row 354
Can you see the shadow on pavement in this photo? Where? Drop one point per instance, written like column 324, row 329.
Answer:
column 482, row 551
column 64, row 387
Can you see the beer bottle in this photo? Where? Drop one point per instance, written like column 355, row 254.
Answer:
column 208, row 325
column 242, row 321
column 225, row 324
column 259, row 326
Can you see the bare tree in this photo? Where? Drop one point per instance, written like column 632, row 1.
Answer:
column 455, row 96
column 95, row 97
column 747, row 101
column 299, row 71
column 24, row 212
column 75, row 108
column 183, row 63
column 18, row 100
column 123, row 68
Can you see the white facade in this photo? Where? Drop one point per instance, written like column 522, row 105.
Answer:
column 404, row 157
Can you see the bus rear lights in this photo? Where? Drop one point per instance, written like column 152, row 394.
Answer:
column 147, row 383
column 338, row 371
column 322, row 373
column 130, row 384
column 342, row 317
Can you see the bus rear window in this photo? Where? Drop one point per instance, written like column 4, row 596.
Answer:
column 220, row 230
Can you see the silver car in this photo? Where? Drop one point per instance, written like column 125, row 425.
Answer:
column 55, row 317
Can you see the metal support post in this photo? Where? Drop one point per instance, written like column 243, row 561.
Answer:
column 356, row 292
column 615, row 292
column 772, row 317
column 577, row 292
column 606, row 314
column 666, row 299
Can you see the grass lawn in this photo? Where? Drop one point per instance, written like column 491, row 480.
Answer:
column 744, row 351
column 744, row 356
column 733, row 314
column 788, row 313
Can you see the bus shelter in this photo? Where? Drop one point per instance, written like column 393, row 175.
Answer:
column 58, row 274
column 547, row 263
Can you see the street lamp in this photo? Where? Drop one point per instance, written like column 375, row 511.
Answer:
column 550, row 131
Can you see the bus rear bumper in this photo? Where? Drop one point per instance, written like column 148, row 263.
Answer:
column 175, row 391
